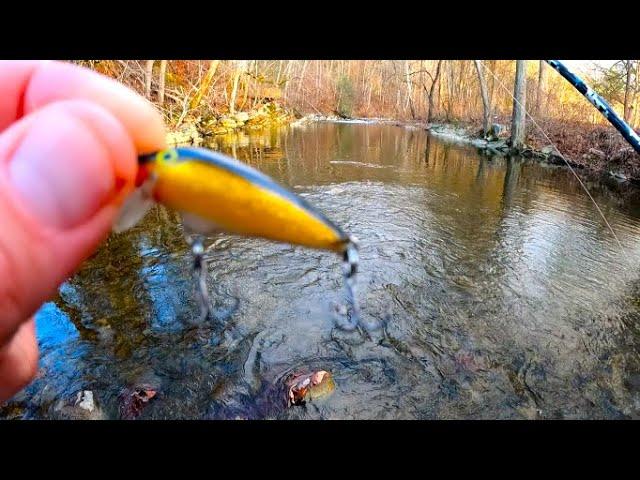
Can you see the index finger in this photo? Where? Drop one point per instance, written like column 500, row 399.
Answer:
column 26, row 86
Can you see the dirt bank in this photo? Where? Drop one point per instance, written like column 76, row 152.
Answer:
column 598, row 149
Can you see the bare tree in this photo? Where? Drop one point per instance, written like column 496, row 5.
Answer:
column 301, row 82
column 519, row 105
column 619, row 84
column 280, row 64
column 486, row 107
column 246, row 85
column 425, row 89
column 163, row 73
column 241, row 67
column 287, row 77
column 148, row 74
column 540, row 88
column 434, row 81
column 627, row 90
column 204, row 85
column 492, row 84
column 409, row 89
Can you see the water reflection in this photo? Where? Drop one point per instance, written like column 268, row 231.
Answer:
column 506, row 295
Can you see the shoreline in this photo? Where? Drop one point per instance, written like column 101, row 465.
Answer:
column 499, row 146
column 195, row 131
column 548, row 155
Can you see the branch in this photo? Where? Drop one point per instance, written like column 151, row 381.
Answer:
column 418, row 71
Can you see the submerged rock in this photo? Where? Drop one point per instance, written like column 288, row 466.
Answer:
column 619, row 176
column 241, row 117
column 228, row 122
column 85, row 401
column 495, row 131
column 186, row 134
column 597, row 153
column 498, row 145
column 303, row 121
column 220, row 131
column 548, row 150
column 82, row 407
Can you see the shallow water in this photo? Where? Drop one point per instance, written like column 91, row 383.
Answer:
column 504, row 293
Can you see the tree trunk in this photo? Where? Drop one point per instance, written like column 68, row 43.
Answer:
column 244, row 83
column 256, row 86
column 148, row 74
column 409, row 90
column 365, row 77
column 486, row 107
column 492, row 84
column 451, row 94
column 436, row 100
column 542, row 69
column 318, row 62
column 519, row 105
column 431, row 90
column 204, row 86
column 421, row 104
column 301, row 80
column 163, row 72
column 287, row 76
column 234, row 91
column 627, row 92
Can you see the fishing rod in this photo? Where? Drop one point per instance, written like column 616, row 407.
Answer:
column 571, row 169
column 600, row 103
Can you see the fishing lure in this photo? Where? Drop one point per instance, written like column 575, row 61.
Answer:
column 214, row 193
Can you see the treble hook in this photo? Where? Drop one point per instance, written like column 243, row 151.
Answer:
column 200, row 271
column 349, row 317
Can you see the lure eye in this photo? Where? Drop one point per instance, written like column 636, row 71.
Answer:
column 168, row 156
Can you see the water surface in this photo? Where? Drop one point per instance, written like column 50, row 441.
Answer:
column 504, row 293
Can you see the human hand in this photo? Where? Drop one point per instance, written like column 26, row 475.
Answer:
column 69, row 139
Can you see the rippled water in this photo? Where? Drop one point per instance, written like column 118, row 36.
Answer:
column 504, row 293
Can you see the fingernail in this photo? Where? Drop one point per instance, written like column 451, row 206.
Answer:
column 61, row 170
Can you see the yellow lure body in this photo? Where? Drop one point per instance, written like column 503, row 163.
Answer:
column 238, row 199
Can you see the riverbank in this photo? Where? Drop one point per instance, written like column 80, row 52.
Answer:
column 596, row 149
column 194, row 130
column 599, row 150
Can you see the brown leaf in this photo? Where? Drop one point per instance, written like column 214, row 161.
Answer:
column 133, row 401
column 300, row 385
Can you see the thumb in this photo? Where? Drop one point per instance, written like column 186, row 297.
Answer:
column 64, row 170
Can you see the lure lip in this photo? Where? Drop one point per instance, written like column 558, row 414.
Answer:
column 143, row 167
column 146, row 158
column 142, row 174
